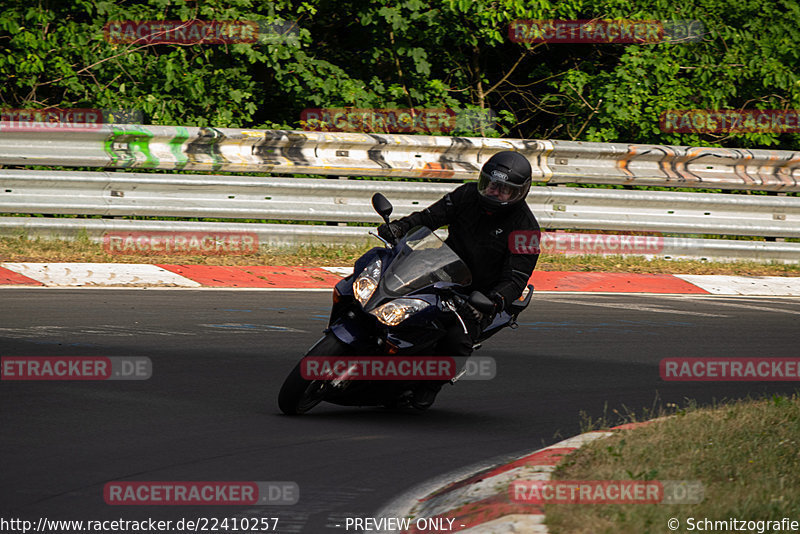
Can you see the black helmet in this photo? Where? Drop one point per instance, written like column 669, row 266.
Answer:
column 504, row 181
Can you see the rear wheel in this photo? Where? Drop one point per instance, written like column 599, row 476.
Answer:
column 298, row 395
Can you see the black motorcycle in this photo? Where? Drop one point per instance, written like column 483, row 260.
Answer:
column 397, row 303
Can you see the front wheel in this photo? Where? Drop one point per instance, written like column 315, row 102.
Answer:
column 298, row 395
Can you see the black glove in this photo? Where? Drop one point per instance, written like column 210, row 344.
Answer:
column 468, row 311
column 499, row 301
column 391, row 232
column 474, row 319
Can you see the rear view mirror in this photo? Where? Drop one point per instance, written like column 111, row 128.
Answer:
column 382, row 206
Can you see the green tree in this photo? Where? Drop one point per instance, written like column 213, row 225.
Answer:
column 411, row 53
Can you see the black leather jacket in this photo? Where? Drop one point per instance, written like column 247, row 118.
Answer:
column 481, row 239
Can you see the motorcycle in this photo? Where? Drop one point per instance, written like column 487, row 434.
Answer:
column 396, row 303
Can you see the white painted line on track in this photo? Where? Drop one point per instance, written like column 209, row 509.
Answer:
column 653, row 308
column 411, row 504
column 401, row 505
column 248, row 328
column 716, row 302
column 707, row 296
column 45, row 331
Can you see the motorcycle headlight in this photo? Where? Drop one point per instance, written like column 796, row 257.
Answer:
column 367, row 282
column 396, row 311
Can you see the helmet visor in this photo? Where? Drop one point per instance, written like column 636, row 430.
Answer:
column 501, row 191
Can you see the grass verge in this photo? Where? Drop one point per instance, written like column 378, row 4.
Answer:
column 746, row 454
column 82, row 249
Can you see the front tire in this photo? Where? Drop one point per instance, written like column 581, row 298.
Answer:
column 298, row 395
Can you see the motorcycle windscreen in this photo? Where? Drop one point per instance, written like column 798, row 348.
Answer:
column 424, row 260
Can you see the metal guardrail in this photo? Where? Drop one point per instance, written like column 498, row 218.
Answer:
column 248, row 197
column 117, row 194
column 268, row 234
column 409, row 156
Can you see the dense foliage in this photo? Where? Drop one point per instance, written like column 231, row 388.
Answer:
column 410, row 53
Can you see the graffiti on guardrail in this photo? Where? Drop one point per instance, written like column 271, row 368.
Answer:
column 403, row 156
column 130, row 147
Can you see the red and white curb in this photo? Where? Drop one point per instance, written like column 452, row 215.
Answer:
column 479, row 502
column 323, row 278
column 744, row 285
column 165, row 276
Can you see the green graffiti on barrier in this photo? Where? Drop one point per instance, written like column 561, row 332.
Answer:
column 176, row 147
column 211, row 138
column 125, row 145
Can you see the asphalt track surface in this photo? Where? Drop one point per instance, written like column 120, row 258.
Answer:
column 209, row 412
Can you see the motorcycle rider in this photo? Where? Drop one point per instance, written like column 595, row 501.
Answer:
column 482, row 217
